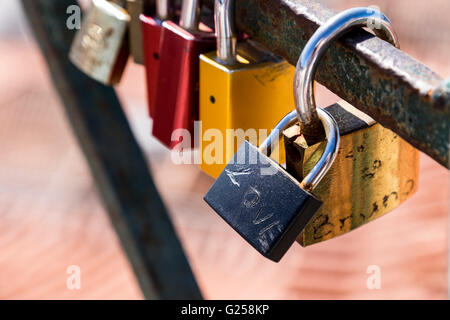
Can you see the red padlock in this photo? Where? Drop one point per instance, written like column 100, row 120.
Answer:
column 176, row 101
column 151, row 36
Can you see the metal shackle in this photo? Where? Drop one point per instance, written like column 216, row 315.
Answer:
column 225, row 33
column 162, row 9
column 190, row 15
column 328, row 156
column 319, row 43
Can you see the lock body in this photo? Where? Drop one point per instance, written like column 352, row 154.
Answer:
column 262, row 202
column 100, row 47
column 151, row 36
column 245, row 96
column 176, row 100
column 375, row 171
column 135, row 8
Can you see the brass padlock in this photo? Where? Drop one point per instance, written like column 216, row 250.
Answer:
column 240, row 89
column 100, row 47
column 135, row 8
column 376, row 169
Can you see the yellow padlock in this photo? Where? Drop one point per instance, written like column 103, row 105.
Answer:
column 241, row 87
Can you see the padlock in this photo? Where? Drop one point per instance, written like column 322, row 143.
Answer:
column 100, row 48
column 151, row 37
column 261, row 201
column 135, row 8
column 242, row 87
column 375, row 170
column 176, row 100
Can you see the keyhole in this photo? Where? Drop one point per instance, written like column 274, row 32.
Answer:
column 212, row 99
column 156, row 56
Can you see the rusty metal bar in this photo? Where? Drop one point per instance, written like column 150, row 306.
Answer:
column 116, row 162
column 396, row 90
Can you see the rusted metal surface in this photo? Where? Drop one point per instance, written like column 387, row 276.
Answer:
column 116, row 162
column 382, row 81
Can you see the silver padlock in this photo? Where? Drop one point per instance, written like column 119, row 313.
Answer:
column 261, row 201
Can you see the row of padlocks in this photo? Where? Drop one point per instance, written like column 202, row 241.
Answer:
column 342, row 168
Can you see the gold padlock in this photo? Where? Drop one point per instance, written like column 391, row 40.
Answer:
column 240, row 89
column 100, row 48
column 375, row 170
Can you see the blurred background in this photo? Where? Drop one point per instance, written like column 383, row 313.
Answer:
column 51, row 216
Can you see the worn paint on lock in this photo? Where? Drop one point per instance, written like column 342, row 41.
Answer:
column 100, row 48
column 151, row 36
column 375, row 171
column 242, row 96
column 268, row 211
column 176, row 101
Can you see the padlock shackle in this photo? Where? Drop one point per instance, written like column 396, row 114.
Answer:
column 319, row 43
column 162, row 9
column 272, row 140
column 190, row 15
column 225, row 33
column 328, row 156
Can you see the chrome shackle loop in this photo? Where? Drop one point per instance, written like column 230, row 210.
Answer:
column 319, row 43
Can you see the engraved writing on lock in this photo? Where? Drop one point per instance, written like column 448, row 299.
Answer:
column 252, row 198
column 94, row 41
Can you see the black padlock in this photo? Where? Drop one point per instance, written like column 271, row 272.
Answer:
column 264, row 203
